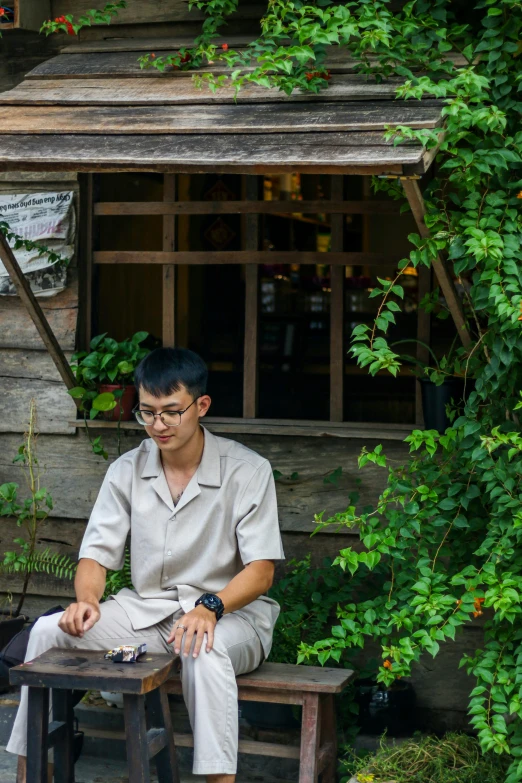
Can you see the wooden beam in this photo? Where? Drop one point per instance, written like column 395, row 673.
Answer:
column 250, row 363
column 244, row 207
column 169, row 270
column 337, row 309
column 416, row 201
column 241, row 257
column 35, row 311
column 85, row 259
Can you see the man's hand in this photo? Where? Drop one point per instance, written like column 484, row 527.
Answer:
column 79, row 618
column 198, row 622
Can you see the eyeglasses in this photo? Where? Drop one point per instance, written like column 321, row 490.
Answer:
column 169, row 418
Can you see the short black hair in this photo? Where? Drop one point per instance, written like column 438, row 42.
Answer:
column 166, row 370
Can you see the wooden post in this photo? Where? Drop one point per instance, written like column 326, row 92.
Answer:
column 169, row 270
column 250, row 362
column 37, row 732
column 35, row 311
column 310, row 738
column 86, row 228
column 414, row 196
column 337, row 308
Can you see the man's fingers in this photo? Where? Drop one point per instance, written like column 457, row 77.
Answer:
column 178, row 636
column 199, row 641
column 90, row 617
column 189, row 636
column 210, row 637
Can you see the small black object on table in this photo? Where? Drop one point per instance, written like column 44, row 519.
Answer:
column 144, row 701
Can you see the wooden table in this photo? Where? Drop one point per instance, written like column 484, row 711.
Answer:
column 144, row 697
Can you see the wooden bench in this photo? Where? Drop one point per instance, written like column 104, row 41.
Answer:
column 314, row 688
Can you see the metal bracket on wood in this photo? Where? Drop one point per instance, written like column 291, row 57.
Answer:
column 414, row 196
column 35, row 311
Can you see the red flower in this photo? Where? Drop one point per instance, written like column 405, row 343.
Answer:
column 2, row 11
column 70, row 29
column 153, row 56
column 388, row 664
column 224, row 47
column 309, row 76
column 185, row 58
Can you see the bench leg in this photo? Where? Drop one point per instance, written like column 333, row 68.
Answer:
column 64, row 748
column 37, row 730
column 159, row 718
column 329, row 737
column 137, row 740
column 310, row 734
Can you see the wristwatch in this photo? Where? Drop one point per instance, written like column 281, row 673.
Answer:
column 212, row 602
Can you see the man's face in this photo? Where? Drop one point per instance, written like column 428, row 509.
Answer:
column 173, row 438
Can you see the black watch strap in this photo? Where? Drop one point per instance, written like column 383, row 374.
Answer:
column 213, row 603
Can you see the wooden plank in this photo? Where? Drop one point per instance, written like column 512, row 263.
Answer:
column 125, row 64
column 243, row 207
column 28, row 374
column 348, row 153
column 217, row 118
column 139, row 14
column 173, row 42
column 250, row 747
column 62, row 536
column 169, row 270
column 250, row 244
column 17, row 330
column 337, row 274
column 414, row 196
column 279, row 678
column 307, row 679
column 63, row 668
column 73, row 474
column 166, row 92
column 248, row 257
column 35, row 311
column 311, row 429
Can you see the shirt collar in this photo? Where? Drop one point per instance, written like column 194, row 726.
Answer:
column 209, row 469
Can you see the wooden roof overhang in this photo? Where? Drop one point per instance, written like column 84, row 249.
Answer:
column 92, row 109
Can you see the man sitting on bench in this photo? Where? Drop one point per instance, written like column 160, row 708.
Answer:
column 202, row 515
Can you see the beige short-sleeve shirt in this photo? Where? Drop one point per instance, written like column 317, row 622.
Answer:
column 225, row 519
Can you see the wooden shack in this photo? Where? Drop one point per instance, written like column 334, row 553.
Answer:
column 245, row 229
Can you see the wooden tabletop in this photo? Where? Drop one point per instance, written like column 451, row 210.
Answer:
column 88, row 669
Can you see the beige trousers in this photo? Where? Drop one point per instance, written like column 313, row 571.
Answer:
column 209, row 684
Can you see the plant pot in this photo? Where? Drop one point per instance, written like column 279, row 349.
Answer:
column 126, row 402
column 385, row 709
column 434, row 401
column 264, row 715
column 113, row 698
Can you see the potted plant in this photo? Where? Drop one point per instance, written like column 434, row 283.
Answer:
column 30, row 513
column 441, row 383
column 105, row 376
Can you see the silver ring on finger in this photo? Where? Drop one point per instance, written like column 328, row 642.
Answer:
column 181, row 626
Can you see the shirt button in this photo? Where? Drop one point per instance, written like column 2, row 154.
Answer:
column 169, row 553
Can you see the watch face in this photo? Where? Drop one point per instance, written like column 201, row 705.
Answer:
column 212, row 601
